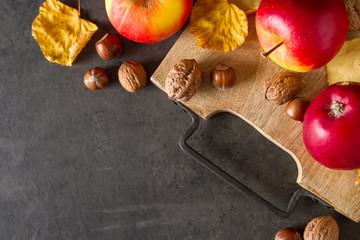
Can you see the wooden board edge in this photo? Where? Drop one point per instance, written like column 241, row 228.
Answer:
column 297, row 161
column 352, row 217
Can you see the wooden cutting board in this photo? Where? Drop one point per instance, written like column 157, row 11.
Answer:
column 246, row 100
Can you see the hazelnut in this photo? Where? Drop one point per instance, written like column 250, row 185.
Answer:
column 183, row 80
column 96, row 78
column 223, row 76
column 322, row 228
column 132, row 76
column 282, row 87
column 109, row 46
column 288, row 234
column 296, row 108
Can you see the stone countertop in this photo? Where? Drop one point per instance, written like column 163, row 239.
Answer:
column 82, row 164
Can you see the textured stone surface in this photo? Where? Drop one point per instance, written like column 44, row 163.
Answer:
column 79, row 164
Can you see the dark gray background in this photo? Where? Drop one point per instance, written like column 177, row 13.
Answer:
column 82, row 164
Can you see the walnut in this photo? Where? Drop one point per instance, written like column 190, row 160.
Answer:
column 183, row 80
column 132, row 76
column 322, row 228
column 282, row 87
column 353, row 8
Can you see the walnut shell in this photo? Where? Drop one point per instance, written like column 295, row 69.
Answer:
column 322, row 228
column 353, row 9
column 183, row 80
column 282, row 87
column 132, row 76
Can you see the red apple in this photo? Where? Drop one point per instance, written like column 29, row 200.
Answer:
column 312, row 31
column 148, row 21
column 331, row 127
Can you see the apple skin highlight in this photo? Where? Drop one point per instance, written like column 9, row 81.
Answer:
column 312, row 32
column 148, row 21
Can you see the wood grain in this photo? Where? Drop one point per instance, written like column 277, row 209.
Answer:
column 246, row 100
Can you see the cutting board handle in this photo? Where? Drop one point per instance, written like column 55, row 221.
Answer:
column 300, row 193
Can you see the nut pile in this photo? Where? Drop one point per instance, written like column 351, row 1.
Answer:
column 132, row 75
column 320, row 228
column 284, row 87
column 184, row 79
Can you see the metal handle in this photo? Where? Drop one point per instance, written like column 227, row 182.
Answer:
column 231, row 180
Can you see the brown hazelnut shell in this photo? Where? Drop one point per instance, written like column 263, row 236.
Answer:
column 288, row 234
column 109, row 46
column 296, row 108
column 96, row 78
column 223, row 76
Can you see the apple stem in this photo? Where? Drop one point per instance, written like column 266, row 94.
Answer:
column 265, row 54
column 79, row 7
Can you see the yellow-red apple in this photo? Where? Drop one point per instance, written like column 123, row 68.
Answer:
column 148, row 21
column 311, row 31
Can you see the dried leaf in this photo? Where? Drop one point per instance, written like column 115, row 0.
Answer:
column 218, row 25
column 346, row 64
column 60, row 32
column 248, row 6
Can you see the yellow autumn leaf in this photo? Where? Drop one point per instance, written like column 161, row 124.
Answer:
column 248, row 6
column 218, row 25
column 60, row 32
column 346, row 64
